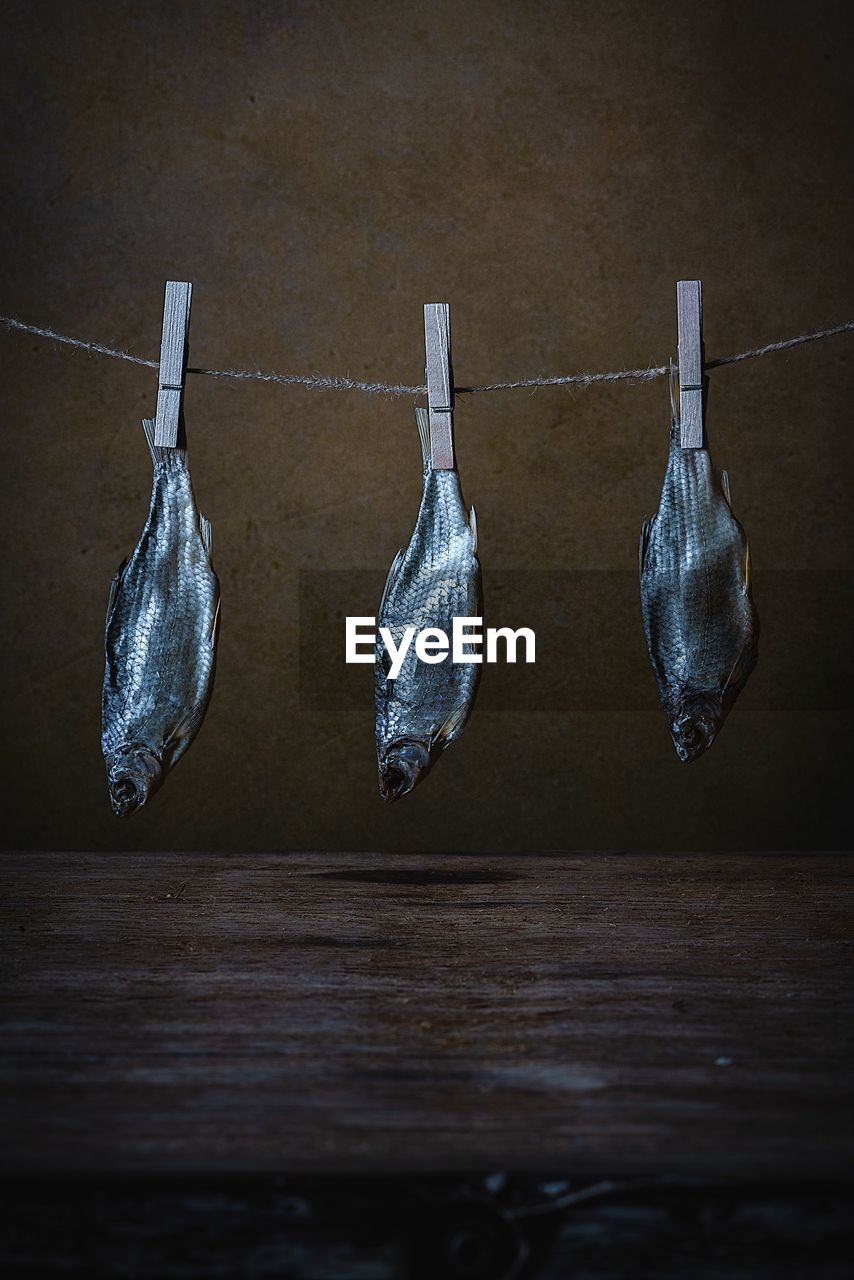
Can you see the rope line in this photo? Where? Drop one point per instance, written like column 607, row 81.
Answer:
column 322, row 382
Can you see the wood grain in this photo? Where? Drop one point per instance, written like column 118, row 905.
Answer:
column 689, row 315
column 440, row 384
column 680, row 1014
column 173, row 361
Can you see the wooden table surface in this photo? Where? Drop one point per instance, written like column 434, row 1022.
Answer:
column 612, row 1014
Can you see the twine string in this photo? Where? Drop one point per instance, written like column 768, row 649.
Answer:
column 321, row 382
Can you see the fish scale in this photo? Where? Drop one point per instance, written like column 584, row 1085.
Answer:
column 160, row 641
column 700, row 621
column 435, row 580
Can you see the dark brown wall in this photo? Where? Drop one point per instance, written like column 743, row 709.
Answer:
column 319, row 171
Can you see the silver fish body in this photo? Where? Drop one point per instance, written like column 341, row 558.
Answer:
column 437, row 578
column 699, row 618
column 160, row 641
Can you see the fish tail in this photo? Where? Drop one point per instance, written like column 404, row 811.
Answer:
column 160, row 454
column 422, row 418
column 673, row 384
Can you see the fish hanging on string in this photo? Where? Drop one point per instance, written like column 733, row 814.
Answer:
column 421, row 712
column 161, row 633
column 699, row 618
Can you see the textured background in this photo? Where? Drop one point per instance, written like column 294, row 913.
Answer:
column 319, row 171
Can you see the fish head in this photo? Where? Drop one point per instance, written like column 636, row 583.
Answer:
column 695, row 724
column 404, row 764
column 133, row 774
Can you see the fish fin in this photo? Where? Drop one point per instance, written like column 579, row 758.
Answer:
column 451, row 728
column 215, row 622
column 747, row 570
column 422, row 418
column 644, row 543
column 726, row 488
column 206, row 532
column 392, row 574
column 185, row 728
column 115, row 587
column 473, row 527
column 159, row 454
column 742, row 668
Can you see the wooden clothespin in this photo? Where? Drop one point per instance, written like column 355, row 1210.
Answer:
column 440, row 384
column 689, row 320
column 173, row 361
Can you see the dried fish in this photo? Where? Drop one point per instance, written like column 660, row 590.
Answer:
column 699, row 618
column 436, row 579
column 161, row 631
